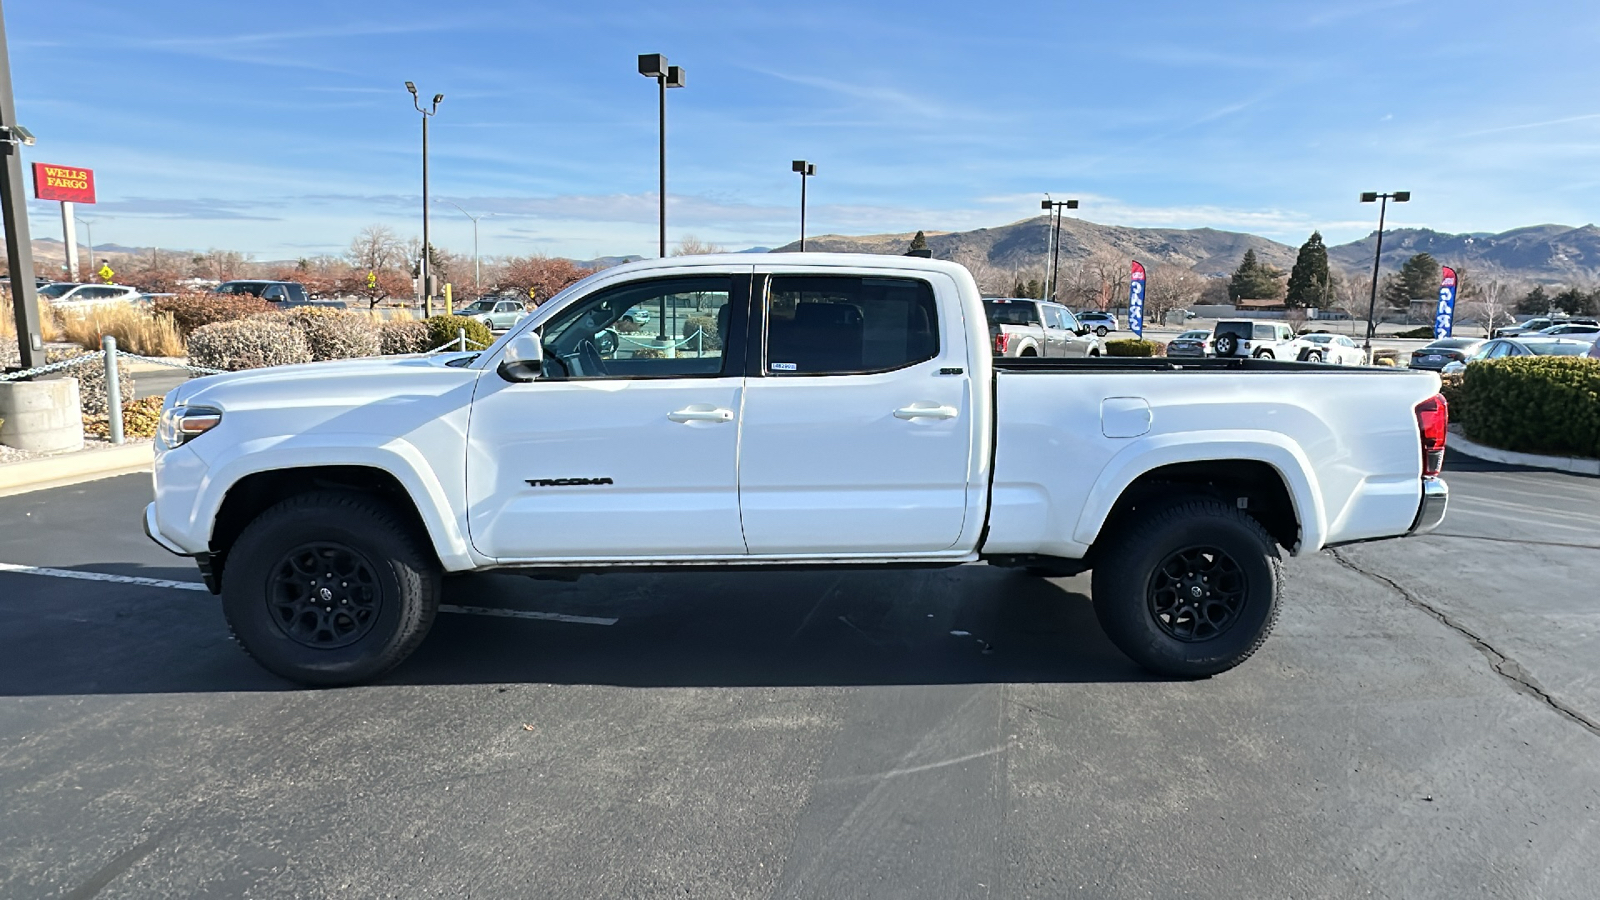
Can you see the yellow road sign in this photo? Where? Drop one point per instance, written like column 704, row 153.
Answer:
column 106, row 273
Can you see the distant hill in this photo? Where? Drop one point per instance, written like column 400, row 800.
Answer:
column 1023, row 245
column 1558, row 254
column 1551, row 254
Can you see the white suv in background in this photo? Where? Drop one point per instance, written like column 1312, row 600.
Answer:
column 64, row 294
column 1263, row 340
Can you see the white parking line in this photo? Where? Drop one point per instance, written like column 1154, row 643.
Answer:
column 101, row 576
column 197, row 586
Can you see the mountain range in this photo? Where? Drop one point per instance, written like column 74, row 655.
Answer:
column 1546, row 254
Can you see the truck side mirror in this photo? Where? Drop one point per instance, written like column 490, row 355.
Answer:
column 1081, row 330
column 523, row 359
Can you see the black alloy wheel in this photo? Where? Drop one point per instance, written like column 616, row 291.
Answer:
column 324, row 595
column 331, row 587
column 1226, row 345
column 1197, row 593
column 1187, row 587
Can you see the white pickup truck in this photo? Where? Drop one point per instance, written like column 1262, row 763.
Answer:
column 793, row 409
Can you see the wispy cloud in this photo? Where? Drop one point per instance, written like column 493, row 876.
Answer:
column 1566, row 120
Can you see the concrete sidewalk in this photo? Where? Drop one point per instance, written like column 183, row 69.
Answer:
column 70, row 468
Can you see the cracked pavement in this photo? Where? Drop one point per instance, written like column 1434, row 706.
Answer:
column 1420, row 725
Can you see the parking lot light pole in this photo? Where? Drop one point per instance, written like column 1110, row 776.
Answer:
column 477, row 277
column 654, row 65
column 430, row 112
column 88, row 227
column 1053, row 264
column 1372, row 304
column 806, row 170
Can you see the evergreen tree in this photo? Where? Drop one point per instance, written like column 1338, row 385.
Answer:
column 1574, row 302
column 1254, row 280
column 1035, row 289
column 1020, row 289
column 1536, row 303
column 1418, row 280
column 1308, row 280
column 919, row 246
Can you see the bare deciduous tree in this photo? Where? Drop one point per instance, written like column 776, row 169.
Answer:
column 693, row 246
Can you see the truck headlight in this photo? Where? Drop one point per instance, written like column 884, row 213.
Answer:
column 181, row 424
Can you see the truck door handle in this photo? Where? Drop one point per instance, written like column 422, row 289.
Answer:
column 699, row 413
column 916, row 411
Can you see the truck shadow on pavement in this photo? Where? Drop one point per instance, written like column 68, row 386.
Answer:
column 971, row 624
column 967, row 625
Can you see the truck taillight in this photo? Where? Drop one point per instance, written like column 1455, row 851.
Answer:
column 1433, row 420
column 1000, row 340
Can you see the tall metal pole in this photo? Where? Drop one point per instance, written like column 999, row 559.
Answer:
column 802, row 212
column 14, row 206
column 662, row 84
column 427, row 293
column 1055, row 259
column 69, row 230
column 1372, row 304
column 477, row 275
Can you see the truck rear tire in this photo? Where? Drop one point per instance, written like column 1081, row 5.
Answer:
column 1189, row 590
column 330, row 588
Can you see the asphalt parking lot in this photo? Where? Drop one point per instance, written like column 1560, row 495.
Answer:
column 1425, row 722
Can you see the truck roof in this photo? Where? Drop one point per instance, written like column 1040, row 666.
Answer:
column 840, row 260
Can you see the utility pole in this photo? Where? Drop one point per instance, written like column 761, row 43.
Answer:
column 14, row 206
column 427, row 289
column 1377, row 257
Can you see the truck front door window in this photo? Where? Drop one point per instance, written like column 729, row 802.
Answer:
column 600, row 336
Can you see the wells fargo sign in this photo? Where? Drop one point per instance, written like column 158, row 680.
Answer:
column 63, row 183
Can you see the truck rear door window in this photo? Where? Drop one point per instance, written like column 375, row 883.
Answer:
column 848, row 325
column 1011, row 312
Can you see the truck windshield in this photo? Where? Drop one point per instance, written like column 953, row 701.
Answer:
column 1010, row 312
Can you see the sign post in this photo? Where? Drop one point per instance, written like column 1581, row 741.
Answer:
column 1136, row 279
column 69, row 185
column 14, row 215
column 1444, row 315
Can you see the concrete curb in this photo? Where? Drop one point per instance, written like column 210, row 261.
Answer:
column 68, row 468
column 1575, row 465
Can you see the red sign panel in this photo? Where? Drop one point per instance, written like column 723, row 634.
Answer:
column 51, row 182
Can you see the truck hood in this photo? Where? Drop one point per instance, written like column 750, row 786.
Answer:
column 338, row 383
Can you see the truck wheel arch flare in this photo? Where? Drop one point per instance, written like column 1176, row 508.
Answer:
column 1149, row 454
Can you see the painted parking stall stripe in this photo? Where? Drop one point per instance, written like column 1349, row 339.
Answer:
column 197, row 586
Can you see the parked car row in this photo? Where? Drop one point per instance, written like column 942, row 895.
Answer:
column 1531, row 345
column 1557, row 325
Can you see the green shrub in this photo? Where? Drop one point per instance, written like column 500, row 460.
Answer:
column 140, row 419
column 1426, row 331
column 403, row 336
column 191, row 312
column 92, row 380
column 445, row 329
column 706, row 327
column 335, row 333
column 1134, row 347
column 1533, row 404
column 248, row 344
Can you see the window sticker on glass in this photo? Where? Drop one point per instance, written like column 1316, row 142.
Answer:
column 783, row 367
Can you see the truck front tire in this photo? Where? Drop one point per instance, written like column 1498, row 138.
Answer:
column 330, row 588
column 1189, row 590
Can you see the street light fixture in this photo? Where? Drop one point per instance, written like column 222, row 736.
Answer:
column 806, row 170
column 1372, row 304
column 477, row 277
column 1053, row 270
column 654, row 65
column 428, row 113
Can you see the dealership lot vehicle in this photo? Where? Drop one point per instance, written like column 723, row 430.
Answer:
column 497, row 313
column 66, row 295
column 1036, row 328
column 1444, row 351
column 1335, row 349
column 852, row 414
column 1529, row 345
column 1540, row 323
column 1259, row 340
column 1101, row 323
column 282, row 293
column 1570, row 329
column 1190, row 343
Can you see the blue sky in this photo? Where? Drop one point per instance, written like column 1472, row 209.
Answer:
column 281, row 129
